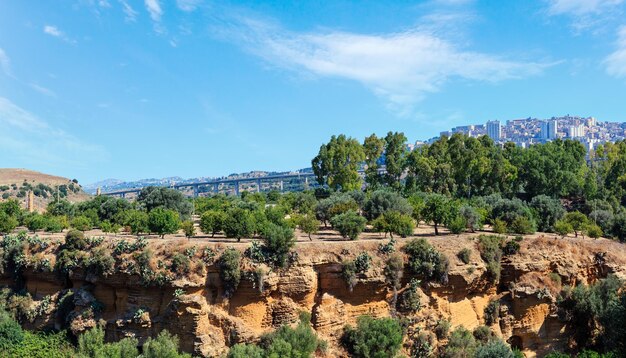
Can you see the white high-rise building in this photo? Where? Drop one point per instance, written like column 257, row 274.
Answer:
column 576, row 131
column 494, row 130
column 549, row 129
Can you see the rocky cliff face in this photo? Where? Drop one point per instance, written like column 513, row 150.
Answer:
column 194, row 306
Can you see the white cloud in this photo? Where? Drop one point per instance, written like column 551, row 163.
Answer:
column 581, row 7
column 131, row 14
column 154, row 8
column 43, row 90
column 29, row 140
column 5, row 63
column 54, row 31
column 399, row 67
column 188, row 5
column 616, row 62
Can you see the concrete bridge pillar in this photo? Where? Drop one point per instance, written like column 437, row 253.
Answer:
column 281, row 186
column 237, row 188
column 216, row 188
column 196, row 190
column 123, row 195
column 258, row 185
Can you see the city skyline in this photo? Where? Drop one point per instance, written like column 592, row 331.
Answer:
column 134, row 89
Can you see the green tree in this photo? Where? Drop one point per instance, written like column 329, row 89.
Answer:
column 137, row 221
column 212, row 222
column 163, row 221
column 437, row 209
column 239, row 223
column 382, row 201
column 563, row 228
column 337, row 163
column 160, row 197
column 577, row 220
column 35, row 222
column 11, row 333
column 188, row 228
column 547, row 212
column 7, row 223
column 241, row 350
column 308, row 224
column 426, row 261
column 349, row 224
column 287, row 342
column 81, row 223
column 373, row 148
column 396, row 154
column 373, row 338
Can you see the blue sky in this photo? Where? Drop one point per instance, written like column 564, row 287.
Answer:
column 95, row 89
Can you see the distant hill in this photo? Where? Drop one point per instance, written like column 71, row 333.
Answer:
column 16, row 183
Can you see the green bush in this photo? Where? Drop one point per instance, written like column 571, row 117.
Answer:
column 442, row 328
column 278, row 242
column 460, row 344
column 349, row 224
column 392, row 222
column 491, row 253
column 100, row 262
column 373, row 338
column 348, row 273
column 137, row 221
column 394, row 269
column 410, row 298
column 241, row 350
column 424, row 260
column 492, row 312
column 230, row 271
column 292, row 342
column 35, row 222
column 499, row 226
column 81, row 223
column 457, row 225
column 308, row 224
column 180, row 264
column 164, row 345
column 362, row 262
column 11, row 333
column 494, row 349
column 188, row 228
column 563, row 228
column 483, row 334
column 522, row 225
column 464, row 255
column 75, row 240
column 511, row 247
column 384, row 201
column 593, row 231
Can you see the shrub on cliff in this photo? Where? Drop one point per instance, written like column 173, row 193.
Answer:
column 230, row 272
column 490, row 247
column 461, row 344
column 494, row 349
column 349, row 224
column 410, row 298
column 91, row 344
column 278, row 241
column 373, row 338
column 164, row 345
column 292, row 342
column 245, row 351
column 492, row 312
column 424, row 260
column 10, row 331
column 464, row 255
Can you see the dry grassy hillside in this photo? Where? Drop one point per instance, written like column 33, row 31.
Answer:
column 16, row 183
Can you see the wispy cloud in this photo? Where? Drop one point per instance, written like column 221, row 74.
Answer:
column 581, row 7
column 154, row 8
column 43, row 90
column 32, row 141
column 616, row 62
column 5, row 63
column 55, row 32
column 586, row 14
column 129, row 12
column 399, row 67
column 188, row 5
